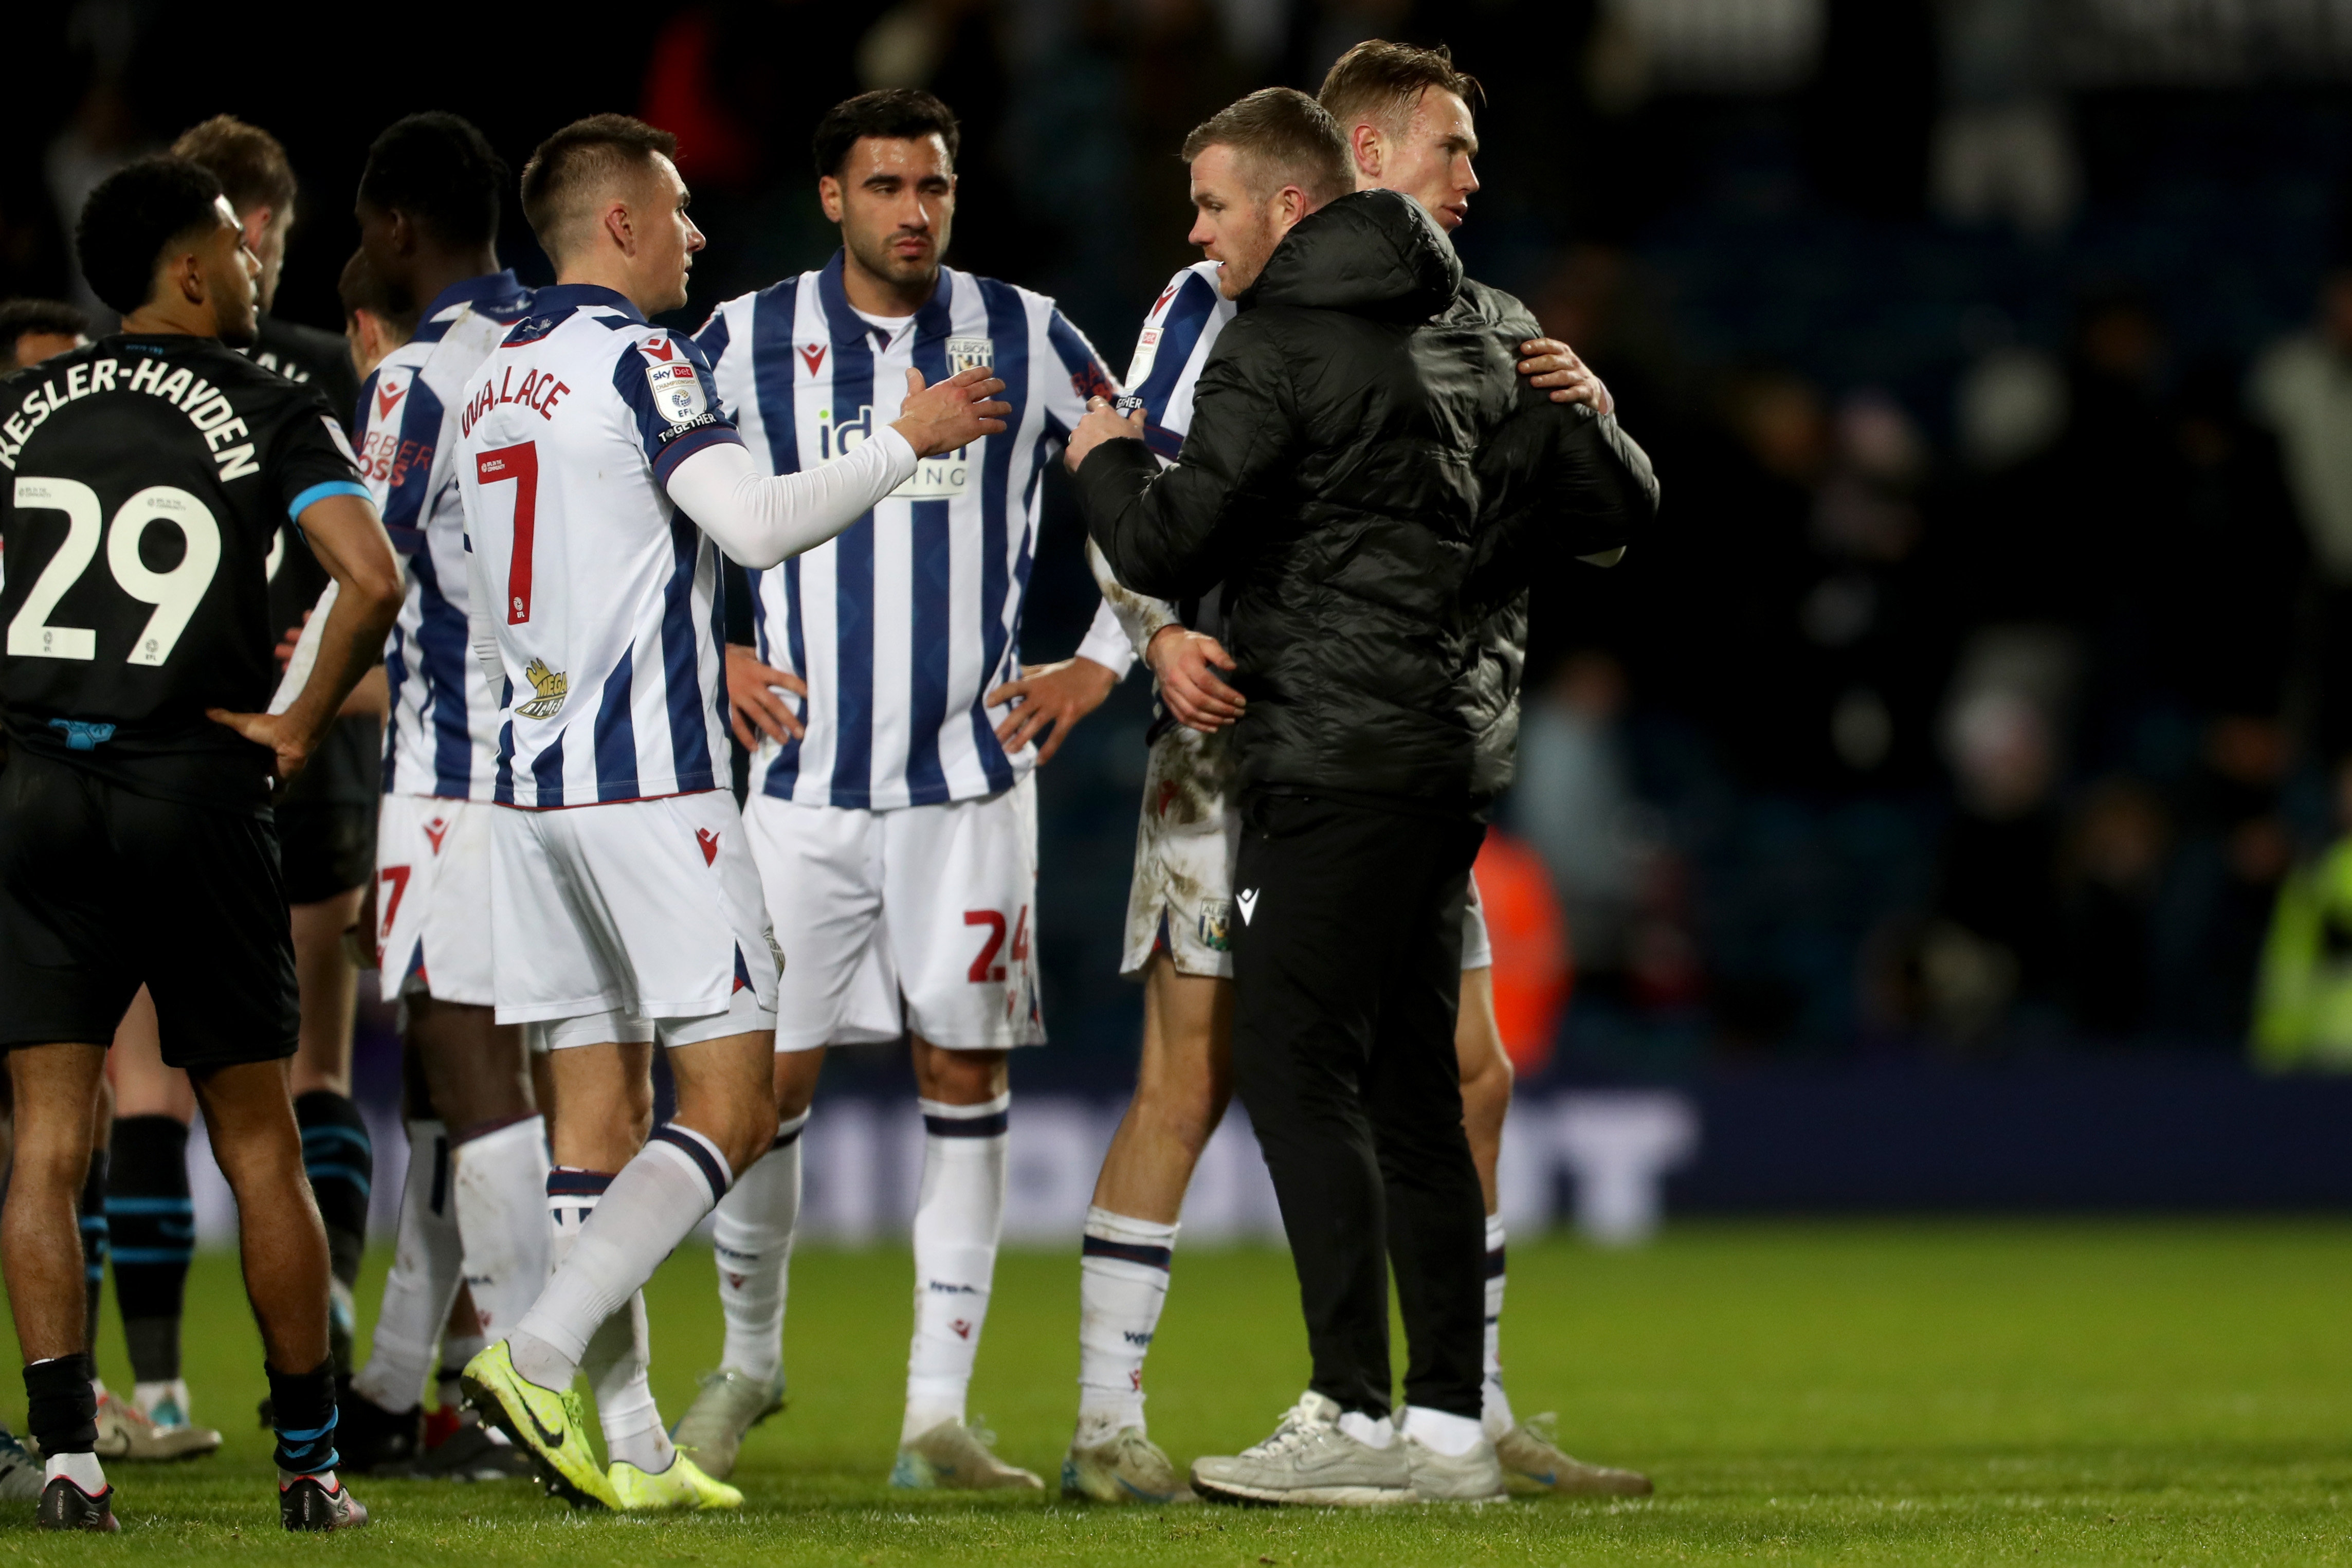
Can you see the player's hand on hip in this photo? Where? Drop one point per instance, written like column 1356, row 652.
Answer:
column 1553, row 365
column 1056, row 694
column 1101, row 423
column 1187, row 663
column 956, row 413
column 275, row 730
column 756, row 699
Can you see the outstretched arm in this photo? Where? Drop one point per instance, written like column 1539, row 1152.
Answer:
column 761, row 520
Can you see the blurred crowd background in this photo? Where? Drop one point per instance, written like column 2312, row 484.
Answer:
column 1987, row 692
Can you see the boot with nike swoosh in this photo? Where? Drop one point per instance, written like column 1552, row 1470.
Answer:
column 549, row 1425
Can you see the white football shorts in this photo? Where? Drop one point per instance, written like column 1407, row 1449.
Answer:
column 1181, row 897
column 433, row 899
column 932, row 905
column 644, row 916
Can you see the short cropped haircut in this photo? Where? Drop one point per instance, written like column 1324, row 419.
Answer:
column 576, row 160
column 894, row 114
column 1379, row 82
column 133, row 217
column 362, row 287
column 248, row 160
column 49, row 317
column 1283, row 138
column 440, row 171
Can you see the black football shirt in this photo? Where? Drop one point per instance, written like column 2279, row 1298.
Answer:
column 146, row 481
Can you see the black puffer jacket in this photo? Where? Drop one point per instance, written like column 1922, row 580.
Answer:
column 1374, row 487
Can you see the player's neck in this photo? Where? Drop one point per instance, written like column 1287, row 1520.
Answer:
column 880, row 295
column 605, row 270
column 171, row 319
column 439, row 271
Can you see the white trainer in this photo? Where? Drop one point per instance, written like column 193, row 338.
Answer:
column 1308, row 1461
column 1474, row 1477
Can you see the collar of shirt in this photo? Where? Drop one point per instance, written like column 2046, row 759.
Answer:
column 848, row 323
column 489, row 285
column 581, row 296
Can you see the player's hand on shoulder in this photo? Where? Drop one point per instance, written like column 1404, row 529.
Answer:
column 1056, row 694
column 1101, row 423
column 756, row 699
column 956, row 413
column 1555, row 367
column 1187, row 663
column 281, row 735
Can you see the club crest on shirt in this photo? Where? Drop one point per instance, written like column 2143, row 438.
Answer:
column 552, row 687
column 677, row 391
column 969, row 353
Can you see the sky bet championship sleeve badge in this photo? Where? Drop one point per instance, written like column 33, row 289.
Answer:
column 676, row 385
column 969, row 353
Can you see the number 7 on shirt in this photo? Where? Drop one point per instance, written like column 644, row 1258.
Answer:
column 521, row 464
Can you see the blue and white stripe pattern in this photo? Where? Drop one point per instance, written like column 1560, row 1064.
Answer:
column 442, row 736
column 1174, row 344
column 611, row 633
column 902, row 625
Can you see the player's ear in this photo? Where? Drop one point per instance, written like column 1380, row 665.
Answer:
column 828, row 196
column 1364, row 141
column 617, row 226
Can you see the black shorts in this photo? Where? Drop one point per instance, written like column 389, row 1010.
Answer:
column 102, row 890
column 326, row 820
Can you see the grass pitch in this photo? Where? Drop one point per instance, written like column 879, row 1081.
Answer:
column 1864, row 1393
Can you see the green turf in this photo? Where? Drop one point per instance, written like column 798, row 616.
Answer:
column 1882, row 1392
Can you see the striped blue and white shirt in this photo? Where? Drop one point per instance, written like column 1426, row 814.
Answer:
column 1178, row 333
column 443, row 734
column 603, row 594
column 902, row 625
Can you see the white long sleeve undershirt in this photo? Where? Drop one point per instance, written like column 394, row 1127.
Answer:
column 760, row 520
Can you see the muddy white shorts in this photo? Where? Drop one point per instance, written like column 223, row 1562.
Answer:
column 1181, row 897
column 936, row 905
column 433, row 899
column 646, row 910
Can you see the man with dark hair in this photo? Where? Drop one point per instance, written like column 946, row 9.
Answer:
column 599, row 481
column 327, row 820
column 1371, row 484
column 1181, row 909
column 474, row 1207
column 892, row 812
column 136, row 844
column 36, row 329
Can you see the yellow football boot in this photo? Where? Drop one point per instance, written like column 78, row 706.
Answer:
column 682, row 1488
column 549, row 1425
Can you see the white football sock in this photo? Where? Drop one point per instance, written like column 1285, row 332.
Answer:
column 1374, row 1431
column 456, row 1350
column 1440, row 1432
column 959, row 1216
column 148, row 1395
column 1496, row 1415
column 1122, row 1285
column 82, row 1469
column 753, row 1245
column 619, row 1351
column 426, row 1273
column 649, row 1208
column 496, row 1177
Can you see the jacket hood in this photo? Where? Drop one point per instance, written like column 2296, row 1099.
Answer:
column 1374, row 253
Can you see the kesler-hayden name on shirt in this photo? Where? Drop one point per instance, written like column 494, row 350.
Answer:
column 206, row 406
